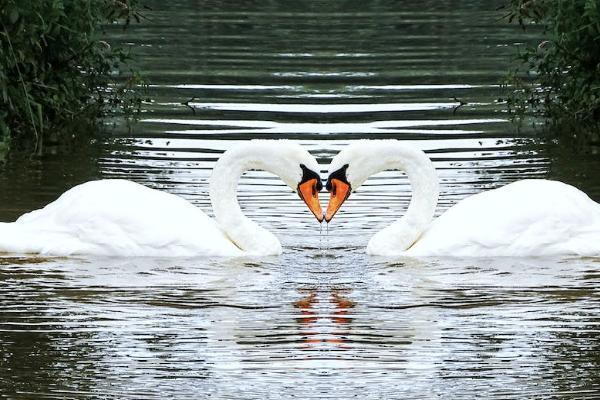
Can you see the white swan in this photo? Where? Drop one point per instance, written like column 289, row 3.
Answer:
column 525, row 218
column 123, row 218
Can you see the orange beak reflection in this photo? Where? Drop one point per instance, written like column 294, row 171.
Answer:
column 339, row 192
column 309, row 192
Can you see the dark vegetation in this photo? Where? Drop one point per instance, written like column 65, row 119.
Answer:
column 559, row 78
column 56, row 70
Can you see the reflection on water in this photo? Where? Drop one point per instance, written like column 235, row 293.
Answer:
column 310, row 318
column 345, row 326
column 323, row 320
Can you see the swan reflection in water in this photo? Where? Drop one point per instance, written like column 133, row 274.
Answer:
column 311, row 320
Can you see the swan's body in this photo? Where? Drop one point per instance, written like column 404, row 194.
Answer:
column 524, row 218
column 117, row 217
column 123, row 218
column 532, row 217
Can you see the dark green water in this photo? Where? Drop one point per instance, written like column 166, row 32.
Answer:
column 324, row 320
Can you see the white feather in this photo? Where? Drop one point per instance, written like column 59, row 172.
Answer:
column 524, row 218
column 123, row 218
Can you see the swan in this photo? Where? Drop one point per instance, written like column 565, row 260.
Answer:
column 532, row 217
column 115, row 217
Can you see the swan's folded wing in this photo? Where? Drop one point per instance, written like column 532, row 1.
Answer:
column 525, row 218
column 114, row 217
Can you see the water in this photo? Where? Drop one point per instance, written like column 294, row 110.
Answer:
column 323, row 320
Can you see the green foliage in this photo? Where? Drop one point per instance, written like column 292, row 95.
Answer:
column 562, row 77
column 55, row 69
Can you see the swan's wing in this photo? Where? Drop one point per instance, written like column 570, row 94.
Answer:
column 525, row 218
column 117, row 217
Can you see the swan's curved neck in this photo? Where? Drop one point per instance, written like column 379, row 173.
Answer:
column 403, row 233
column 245, row 233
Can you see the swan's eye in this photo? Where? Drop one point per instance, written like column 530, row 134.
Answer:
column 340, row 175
column 309, row 175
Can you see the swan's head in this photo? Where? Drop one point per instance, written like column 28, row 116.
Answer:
column 348, row 170
column 291, row 162
column 300, row 171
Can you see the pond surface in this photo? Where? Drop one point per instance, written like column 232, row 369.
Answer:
column 323, row 320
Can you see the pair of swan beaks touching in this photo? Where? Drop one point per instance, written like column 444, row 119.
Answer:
column 122, row 218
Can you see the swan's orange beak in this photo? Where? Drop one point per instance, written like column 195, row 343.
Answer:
column 339, row 192
column 309, row 192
